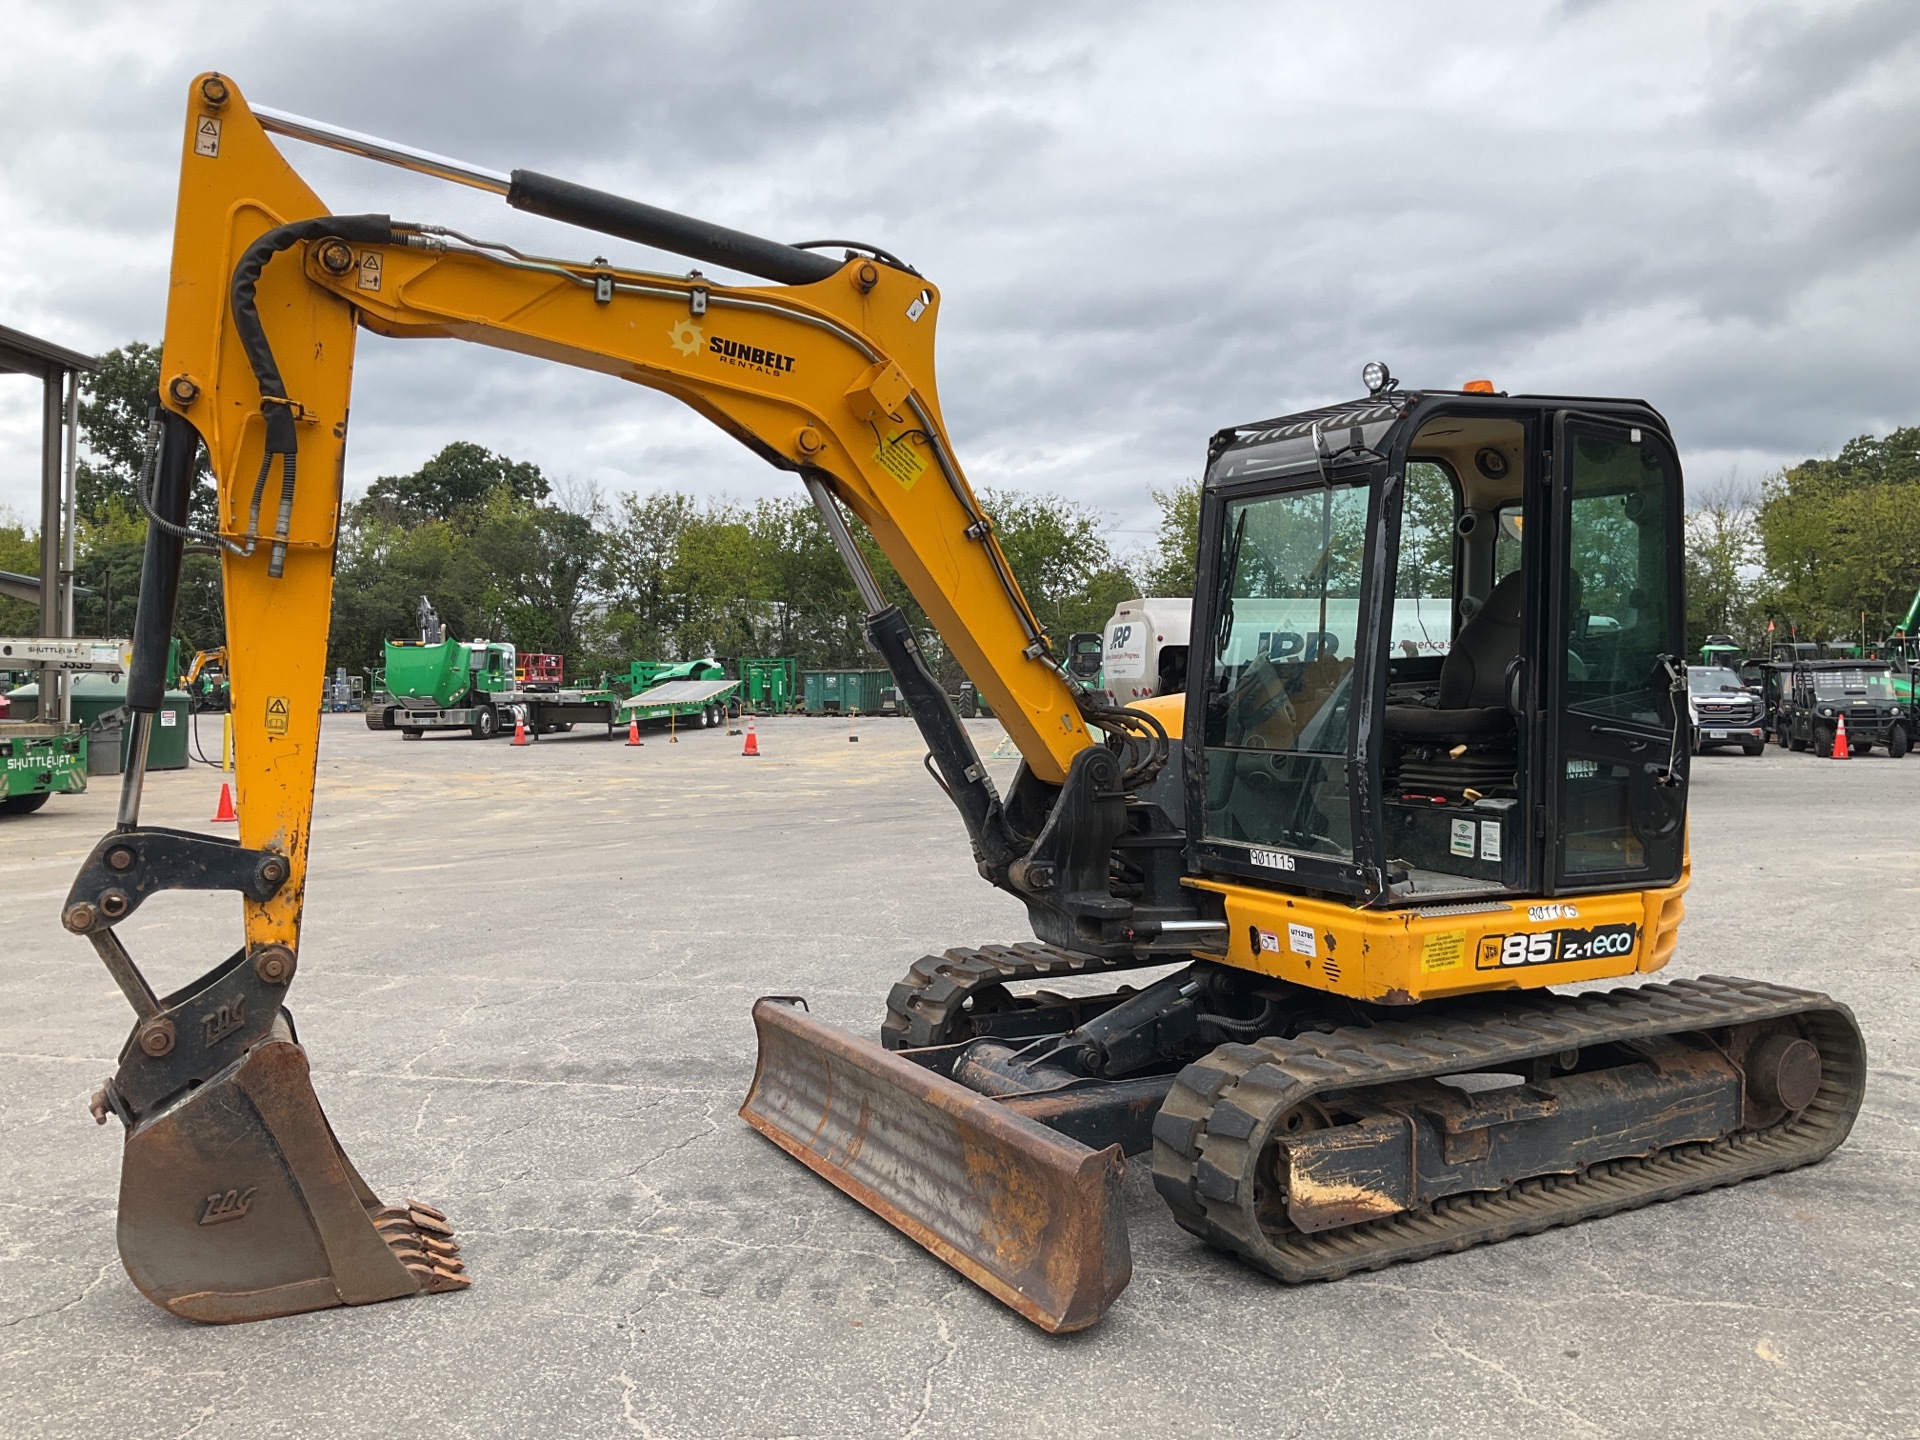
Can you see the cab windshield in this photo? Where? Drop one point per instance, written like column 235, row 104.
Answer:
column 1278, row 704
column 1711, row 679
column 1853, row 684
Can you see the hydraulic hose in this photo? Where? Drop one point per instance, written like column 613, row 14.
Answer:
column 275, row 406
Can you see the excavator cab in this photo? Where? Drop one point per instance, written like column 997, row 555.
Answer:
column 1444, row 633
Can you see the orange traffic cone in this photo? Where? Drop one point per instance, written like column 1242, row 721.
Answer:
column 519, row 727
column 753, row 741
column 633, row 730
column 1840, row 751
column 224, row 812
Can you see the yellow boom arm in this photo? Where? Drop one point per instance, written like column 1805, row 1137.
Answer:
column 832, row 379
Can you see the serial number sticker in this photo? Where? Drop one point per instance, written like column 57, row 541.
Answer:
column 1300, row 940
column 1553, row 947
column 1537, row 913
column 899, row 459
column 1445, row 951
column 1272, row 859
column 1465, row 834
column 277, row 715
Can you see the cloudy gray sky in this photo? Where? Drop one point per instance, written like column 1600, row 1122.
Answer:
column 1147, row 221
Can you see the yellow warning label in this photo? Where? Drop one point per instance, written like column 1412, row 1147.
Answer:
column 1445, row 951
column 900, row 460
column 277, row 714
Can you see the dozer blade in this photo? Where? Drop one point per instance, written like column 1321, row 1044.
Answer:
column 237, row 1203
column 1030, row 1216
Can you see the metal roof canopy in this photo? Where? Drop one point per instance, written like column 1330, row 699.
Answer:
column 59, row 370
column 681, row 692
column 24, row 354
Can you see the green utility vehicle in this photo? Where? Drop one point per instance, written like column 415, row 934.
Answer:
column 1722, row 650
column 1818, row 692
column 471, row 686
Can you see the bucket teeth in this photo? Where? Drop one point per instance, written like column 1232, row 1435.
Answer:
column 435, row 1280
column 420, row 1238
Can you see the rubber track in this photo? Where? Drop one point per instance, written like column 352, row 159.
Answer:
column 1209, row 1134
column 923, row 1007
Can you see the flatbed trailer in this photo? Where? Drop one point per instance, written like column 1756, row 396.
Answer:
column 700, row 703
column 545, row 712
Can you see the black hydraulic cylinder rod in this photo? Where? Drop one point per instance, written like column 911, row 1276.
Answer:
column 160, row 567
column 665, row 230
column 947, row 740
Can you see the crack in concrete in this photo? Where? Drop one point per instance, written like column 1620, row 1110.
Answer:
column 1517, row 1384
column 940, row 1362
column 706, row 1118
column 93, row 1285
column 630, row 1417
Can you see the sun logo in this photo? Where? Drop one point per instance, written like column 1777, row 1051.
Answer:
column 686, row 337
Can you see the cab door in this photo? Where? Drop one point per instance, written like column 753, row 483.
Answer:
column 1616, row 774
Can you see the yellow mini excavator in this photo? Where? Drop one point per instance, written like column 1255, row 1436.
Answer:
column 1430, row 763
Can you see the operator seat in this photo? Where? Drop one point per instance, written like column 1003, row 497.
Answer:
column 1473, row 677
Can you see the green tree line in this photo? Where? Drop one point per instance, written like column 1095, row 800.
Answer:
column 505, row 553
column 1828, row 550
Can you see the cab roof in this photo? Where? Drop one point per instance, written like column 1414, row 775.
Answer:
column 1356, row 426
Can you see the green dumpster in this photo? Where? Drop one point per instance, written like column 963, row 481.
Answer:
column 841, row 692
column 97, row 695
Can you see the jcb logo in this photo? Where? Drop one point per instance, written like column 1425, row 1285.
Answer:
column 224, row 1021
column 227, row 1205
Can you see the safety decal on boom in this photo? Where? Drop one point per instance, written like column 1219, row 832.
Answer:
column 206, row 137
column 277, row 715
column 898, row 458
column 1551, row 947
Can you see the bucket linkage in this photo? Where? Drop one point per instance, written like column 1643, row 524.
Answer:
column 236, row 1200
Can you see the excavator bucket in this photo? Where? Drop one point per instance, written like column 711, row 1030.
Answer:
column 1030, row 1216
column 237, row 1203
